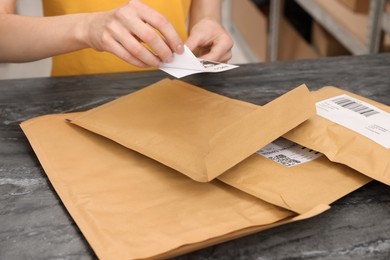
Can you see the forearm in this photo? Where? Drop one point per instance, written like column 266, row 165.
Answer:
column 205, row 9
column 31, row 38
column 121, row 31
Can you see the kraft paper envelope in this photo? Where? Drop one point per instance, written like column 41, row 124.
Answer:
column 342, row 145
column 194, row 131
column 129, row 206
column 298, row 188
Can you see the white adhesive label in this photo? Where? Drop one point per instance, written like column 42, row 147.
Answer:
column 187, row 64
column 357, row 116
column 288, row 153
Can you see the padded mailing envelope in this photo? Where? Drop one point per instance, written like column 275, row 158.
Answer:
column 194, row 131
column 129, row 206
column 351, row 130
column 293, row 177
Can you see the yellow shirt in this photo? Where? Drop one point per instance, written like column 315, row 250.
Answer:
column 89, row 61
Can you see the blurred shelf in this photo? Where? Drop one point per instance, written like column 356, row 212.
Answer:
column 358, row 32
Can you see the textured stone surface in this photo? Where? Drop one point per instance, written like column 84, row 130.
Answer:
column 34, row 224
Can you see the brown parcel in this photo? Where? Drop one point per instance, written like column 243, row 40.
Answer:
column 196, row 132
column 129, row 206
column 342, row 145
column 298, row 188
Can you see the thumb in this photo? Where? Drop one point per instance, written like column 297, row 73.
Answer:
column 192, row 43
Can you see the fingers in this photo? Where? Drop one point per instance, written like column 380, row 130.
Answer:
column 145, row 33
column 193, row 42
column 151, row 28
column 115, row 38
column 161, row 23
column 134, row 32
column 118, row 49
column 224, row 59
column 220, row 52
column 133, row 46
column 210, row 40
column 218, row 49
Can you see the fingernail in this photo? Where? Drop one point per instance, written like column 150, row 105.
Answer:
column 180, row 49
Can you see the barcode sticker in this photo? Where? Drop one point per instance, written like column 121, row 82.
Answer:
column 357, row 116
column 355, row 106
column 288, row 153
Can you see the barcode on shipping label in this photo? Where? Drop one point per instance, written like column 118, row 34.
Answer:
column 358, row 116
column 288, row 153
column 354, row 106
column 284, row 160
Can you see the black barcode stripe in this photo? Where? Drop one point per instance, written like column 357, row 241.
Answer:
column 355, row 107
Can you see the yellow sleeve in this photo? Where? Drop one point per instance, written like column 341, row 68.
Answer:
column 89, row 61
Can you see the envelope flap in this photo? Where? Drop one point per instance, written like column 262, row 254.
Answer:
column 258, row 128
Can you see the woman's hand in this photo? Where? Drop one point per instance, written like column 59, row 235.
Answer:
column 125, row 30
column 207, row 37
column 209, row 40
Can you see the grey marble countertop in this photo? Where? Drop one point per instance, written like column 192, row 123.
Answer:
column 34, row 224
